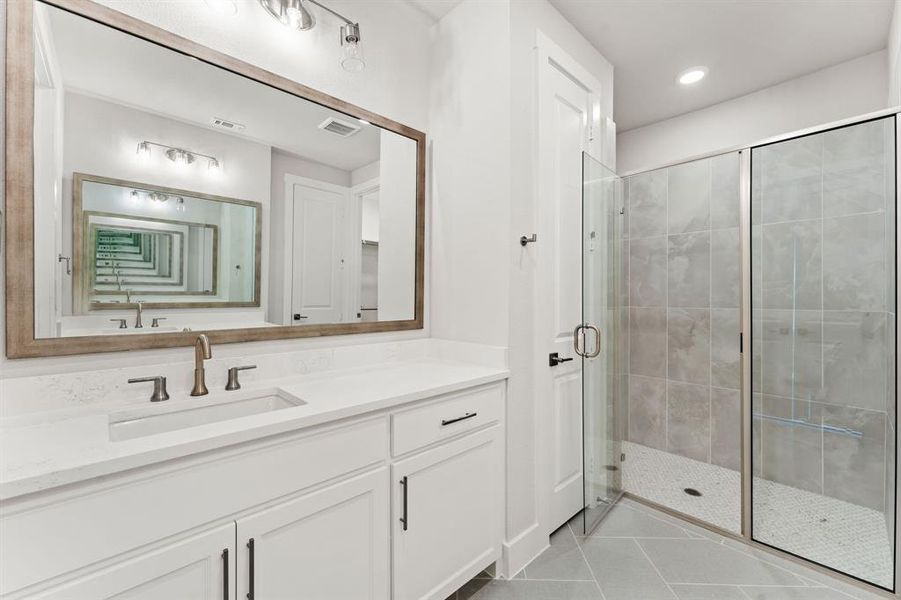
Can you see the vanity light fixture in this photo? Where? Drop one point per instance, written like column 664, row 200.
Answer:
column 180, row 156
column 692, row 75
column 296, row 15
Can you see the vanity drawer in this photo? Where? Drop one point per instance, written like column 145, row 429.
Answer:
column 446, row 418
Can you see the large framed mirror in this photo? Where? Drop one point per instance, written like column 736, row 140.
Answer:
column 156, row 188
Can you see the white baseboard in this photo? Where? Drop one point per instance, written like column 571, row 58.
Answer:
column 521, row 550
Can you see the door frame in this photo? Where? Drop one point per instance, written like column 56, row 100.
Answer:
column 354, row 262
column 549, row 55
column 288, row 236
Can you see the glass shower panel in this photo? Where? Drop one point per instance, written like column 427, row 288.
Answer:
column 823, row 347
column 683, row 435
column 602, row 313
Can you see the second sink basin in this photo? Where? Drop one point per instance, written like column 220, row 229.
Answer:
column 132, row 424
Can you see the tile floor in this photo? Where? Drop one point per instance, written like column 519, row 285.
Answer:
column 826, row 530
column 638, row 553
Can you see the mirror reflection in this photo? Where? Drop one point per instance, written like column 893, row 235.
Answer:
column 207, row 200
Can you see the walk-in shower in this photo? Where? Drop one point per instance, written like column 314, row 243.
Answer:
column 753, row 385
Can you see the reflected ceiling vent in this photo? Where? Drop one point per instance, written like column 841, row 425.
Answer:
column 227, row 125
column 342, row 128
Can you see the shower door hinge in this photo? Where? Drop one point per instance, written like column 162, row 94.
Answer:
column 741, row 342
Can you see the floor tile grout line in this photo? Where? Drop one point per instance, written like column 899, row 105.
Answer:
column 656, row 570
column 588, row 564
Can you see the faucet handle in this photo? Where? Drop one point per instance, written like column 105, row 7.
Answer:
column 159, row 387
column 123, row 323
column 233, row 383
column 156, row 321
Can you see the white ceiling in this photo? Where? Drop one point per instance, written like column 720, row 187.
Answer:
column 747, row 44
column 435, row 8
column 106, row 63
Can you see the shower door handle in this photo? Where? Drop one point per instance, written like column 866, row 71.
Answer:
column 578, row 332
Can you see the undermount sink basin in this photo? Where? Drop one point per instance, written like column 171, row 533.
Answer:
column 128, row 425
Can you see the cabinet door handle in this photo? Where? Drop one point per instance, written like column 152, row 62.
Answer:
column 225, row 574
column 250, row 579
column 403, row 519
column 458, row 419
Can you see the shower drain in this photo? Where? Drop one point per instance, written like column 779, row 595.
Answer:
column 692, row 492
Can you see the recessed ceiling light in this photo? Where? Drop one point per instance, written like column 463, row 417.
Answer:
column 692, row 75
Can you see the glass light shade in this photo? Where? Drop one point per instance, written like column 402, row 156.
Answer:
column 144, row 151
column 213, row 167
column 352, row 57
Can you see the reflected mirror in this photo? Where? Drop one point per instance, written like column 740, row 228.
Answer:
column 207, row 199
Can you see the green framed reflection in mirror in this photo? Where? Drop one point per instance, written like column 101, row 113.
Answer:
column 167, row 248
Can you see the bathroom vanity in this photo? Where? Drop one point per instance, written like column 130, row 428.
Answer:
column 377, row 482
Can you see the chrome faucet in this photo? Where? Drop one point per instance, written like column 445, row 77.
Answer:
column 139, row 323
column 201, row 351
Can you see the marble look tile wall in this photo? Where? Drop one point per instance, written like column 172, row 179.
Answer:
column 823, row 333
column 681, row 259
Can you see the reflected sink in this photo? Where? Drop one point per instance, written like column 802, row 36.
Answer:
column 131, row 424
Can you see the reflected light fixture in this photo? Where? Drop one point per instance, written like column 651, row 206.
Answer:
column 296, row 15
column 692, row 75
column 180, row 156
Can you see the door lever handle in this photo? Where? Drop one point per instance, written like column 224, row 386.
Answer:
column 554, row 359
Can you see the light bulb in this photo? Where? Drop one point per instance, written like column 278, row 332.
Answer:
column 144, row 151
column 180, row 205
column 352, row 59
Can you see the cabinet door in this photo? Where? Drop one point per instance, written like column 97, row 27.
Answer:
column 447, row 515
column 329, row 544
column 200, row 567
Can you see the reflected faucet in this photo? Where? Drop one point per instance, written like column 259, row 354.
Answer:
column 201, row 351
column 139, row 323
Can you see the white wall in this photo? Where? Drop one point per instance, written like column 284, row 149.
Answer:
column 470, row 127
column 844, row 90
column 894, row 57
column 394, row 83
column 397, row 228
column 49, row 103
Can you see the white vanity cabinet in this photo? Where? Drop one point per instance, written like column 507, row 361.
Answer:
column 327, row 544
column 201, row 567
column 307, row 513
column 447, row 515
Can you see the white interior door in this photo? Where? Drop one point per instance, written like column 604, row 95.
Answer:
column 567, row 110
column 317, row 284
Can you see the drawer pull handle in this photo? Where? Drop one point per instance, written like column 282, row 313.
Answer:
column 225, row 574
column 403, row 519
column 250, row 582
column 458, row 419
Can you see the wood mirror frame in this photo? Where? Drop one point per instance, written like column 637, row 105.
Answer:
column 19, row 228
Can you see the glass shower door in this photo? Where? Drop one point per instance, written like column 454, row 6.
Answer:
column 823, row 339
column 599, row 338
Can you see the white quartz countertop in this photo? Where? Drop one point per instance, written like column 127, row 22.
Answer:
column 42, row 452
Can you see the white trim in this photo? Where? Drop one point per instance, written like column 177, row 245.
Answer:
column 521, row 550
